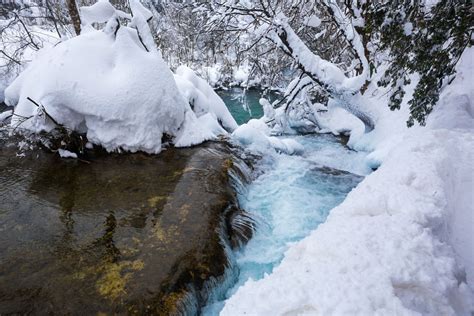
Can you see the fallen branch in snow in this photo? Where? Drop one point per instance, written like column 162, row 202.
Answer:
column 42, row 109
column 21, row 121
column 68, row 140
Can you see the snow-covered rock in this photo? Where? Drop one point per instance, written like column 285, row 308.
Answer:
column 109, row 88
column 255, row 136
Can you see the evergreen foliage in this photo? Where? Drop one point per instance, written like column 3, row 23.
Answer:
column 426, row 41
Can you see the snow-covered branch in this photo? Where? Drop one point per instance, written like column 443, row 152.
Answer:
column 274, row 21
column 323, row 72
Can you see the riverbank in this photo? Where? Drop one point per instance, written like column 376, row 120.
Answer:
column 386, row 249
column 401, row 242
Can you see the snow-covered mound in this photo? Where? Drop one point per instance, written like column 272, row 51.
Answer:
column 203, row 98
column 110, row 88
column 113, row 85
column 402, row 241
column 255, row 136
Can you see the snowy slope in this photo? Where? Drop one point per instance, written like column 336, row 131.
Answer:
column 402, row 241
column 382, row 250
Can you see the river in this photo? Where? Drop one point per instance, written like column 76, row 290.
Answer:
column 290, row 198
column 136, row 233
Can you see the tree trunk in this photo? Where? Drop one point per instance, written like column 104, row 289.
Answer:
column 74, row 14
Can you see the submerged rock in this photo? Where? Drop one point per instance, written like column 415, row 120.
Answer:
column 133, row 233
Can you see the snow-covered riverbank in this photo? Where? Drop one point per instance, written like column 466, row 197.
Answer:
column 401, row 242
column 383, row 250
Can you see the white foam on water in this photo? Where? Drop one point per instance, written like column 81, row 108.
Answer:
column 289, row 200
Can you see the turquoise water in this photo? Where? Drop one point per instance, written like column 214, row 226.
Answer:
column 291, row 197
column 243, row 104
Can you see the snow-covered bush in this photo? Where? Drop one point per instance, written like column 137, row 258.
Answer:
column 113, row 85
column 202, row 97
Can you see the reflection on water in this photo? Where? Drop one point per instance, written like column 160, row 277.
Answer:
column 125, row 233
column 244, row 104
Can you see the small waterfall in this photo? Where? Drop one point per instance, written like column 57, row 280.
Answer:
column 235, row 230
column 288, row 200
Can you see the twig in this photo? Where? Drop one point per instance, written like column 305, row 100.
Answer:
column 10, row 58
column 44, row 111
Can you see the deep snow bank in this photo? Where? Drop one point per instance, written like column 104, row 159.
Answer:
column 113, row 85
column 380, row 251
column 402, row 242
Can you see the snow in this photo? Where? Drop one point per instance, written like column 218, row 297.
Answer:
column 138, row 9
column 203, row 98
column 378, row 252
column 5, row 115
column 139, row 21
column 84, row 83
column 107, row 84
column 408, row 28
column 268, row 110
column 241, row 75
column 212, row 74
column 402, row 241
column 66, row 154
column 455, row 111
column 312, row 21
column 340, row 122
column 99, row 12
column 255, row 137
column 196, row 130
